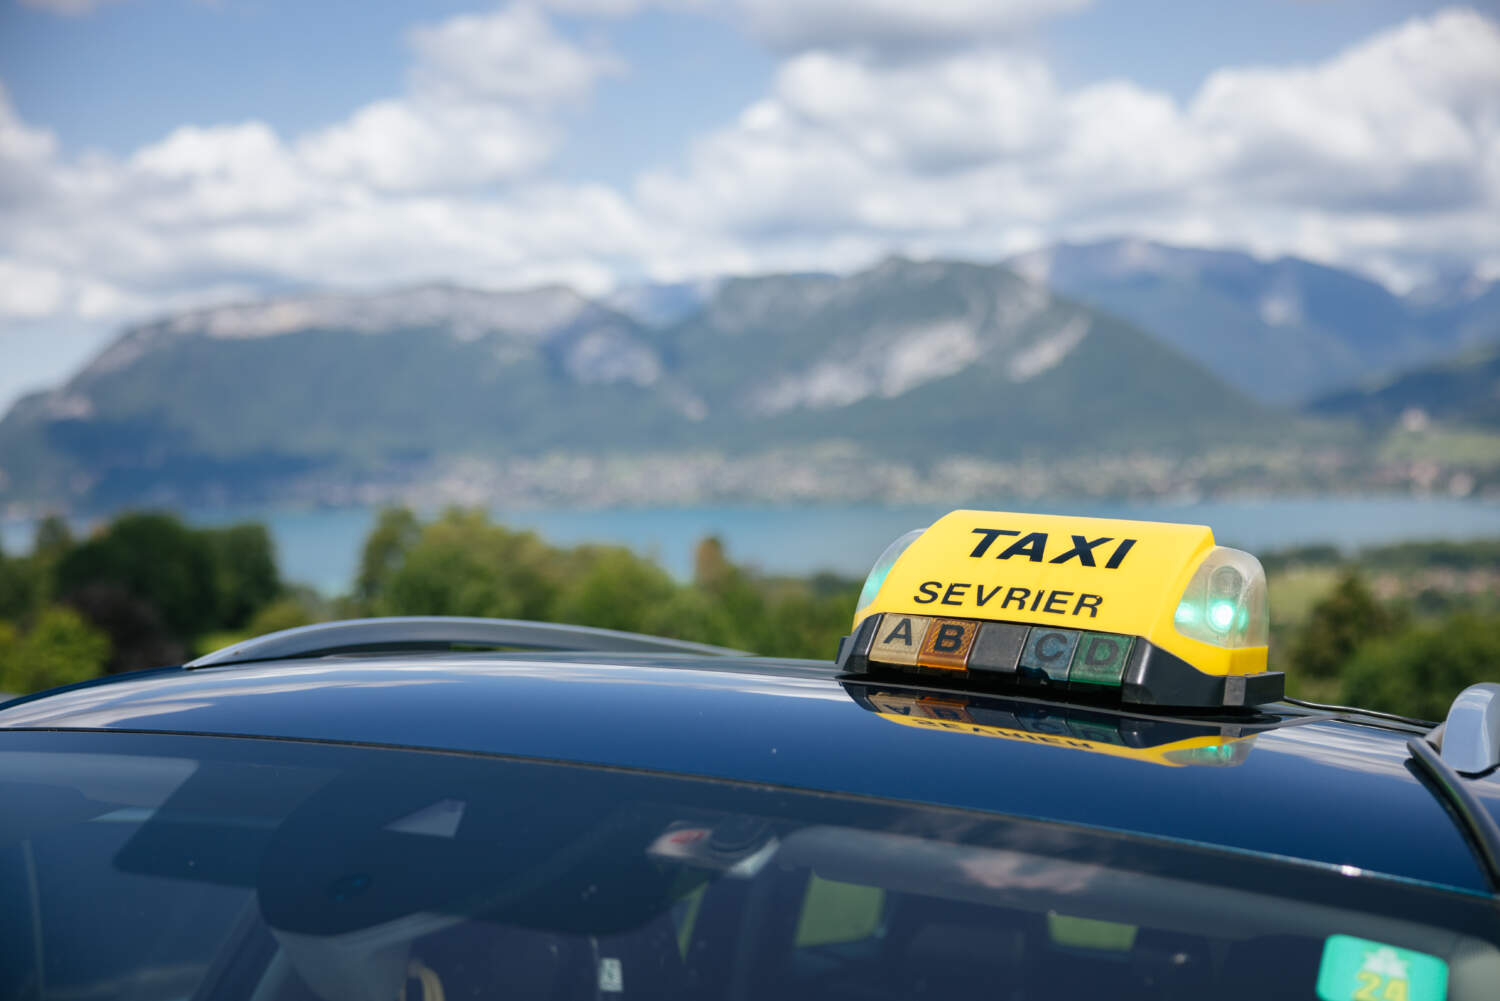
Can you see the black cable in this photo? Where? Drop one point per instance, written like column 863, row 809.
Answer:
column 1375, row 713
column 1477, row 825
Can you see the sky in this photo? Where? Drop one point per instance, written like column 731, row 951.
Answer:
column 157, row 155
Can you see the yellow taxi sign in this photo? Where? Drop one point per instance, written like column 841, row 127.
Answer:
column 1112, row 576
column 1068, row 596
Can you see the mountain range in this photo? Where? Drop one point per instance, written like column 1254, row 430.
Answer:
column 910, row 363
column 1463, row 390
column 1285, row 331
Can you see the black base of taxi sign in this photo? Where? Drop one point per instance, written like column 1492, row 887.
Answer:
column 1022, row 655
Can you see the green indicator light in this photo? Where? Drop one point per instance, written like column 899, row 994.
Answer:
column 1187, row 614
column 1355, row 968
column 1221, row 615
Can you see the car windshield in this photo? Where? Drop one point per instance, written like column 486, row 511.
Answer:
column 153, row 867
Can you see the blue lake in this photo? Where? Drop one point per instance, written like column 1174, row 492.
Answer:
column 322, row 547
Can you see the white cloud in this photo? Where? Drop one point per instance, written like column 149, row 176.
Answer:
column 27, row 291
column 892, row 24
column 415, row 145
column 482, row 90
column 202, row 175
column 26, row 155
column 21, row 145
column 1381, row 157
column 1406, row 120
column 509, row 55
column 1378, row 157
column 441, row 182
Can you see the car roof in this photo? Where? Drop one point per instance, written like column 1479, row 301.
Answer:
column 1313, row 787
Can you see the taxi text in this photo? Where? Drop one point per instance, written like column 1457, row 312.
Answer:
column 1034, row 547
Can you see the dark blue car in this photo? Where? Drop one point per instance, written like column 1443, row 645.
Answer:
column 454, row 809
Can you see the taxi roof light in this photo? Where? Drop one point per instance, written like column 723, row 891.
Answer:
column 1146, row 612
column 1224, row 604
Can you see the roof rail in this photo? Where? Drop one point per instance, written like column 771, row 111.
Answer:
column 411, row 633
column 1470, row 737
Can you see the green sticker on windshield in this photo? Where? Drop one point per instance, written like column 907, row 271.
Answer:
column 1356, row 969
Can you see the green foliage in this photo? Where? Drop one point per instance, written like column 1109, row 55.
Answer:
column 802, row 623
column 155, row 558
column 690, row 614
column 245, row 574
column 289, row 612
column 147, row 590
column 60, row 649
column 613, row 589
column 150, row 583
column 53, row 538
column 9, row 640
column 462, row 564
column 1419, row 671
column 1346, row 618
column 1301, row 556
column 396, row 531
column 21, row 587
column 1475, row 554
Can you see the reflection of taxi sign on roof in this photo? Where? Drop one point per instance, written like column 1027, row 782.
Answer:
column 1156, row 741
column 1156, row 613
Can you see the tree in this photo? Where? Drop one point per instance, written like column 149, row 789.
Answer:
column 21, row 587
column 1337, row 625
column 691, row 614
column 615, row 589
column 60, row 649
column 711, row 567
column 1419, row 671
column 245, row 574
column 462, row 564
column 154, row 558
column 53, row 538
column 138, row 637
column 297, row 607
column 396, row 531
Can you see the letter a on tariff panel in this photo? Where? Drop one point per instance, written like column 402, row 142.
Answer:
column 899, row 639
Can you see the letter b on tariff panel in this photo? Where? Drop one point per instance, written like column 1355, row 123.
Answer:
column 947, row 644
